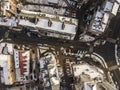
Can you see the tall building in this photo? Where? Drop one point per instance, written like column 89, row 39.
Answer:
column 50, row 25
column 103, row 16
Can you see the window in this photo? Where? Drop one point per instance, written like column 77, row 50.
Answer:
column 25, row 64
column 25, row 70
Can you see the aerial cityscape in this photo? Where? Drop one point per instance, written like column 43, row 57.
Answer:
column 59, row 44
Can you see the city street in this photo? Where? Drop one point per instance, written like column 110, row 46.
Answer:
column 107, row 51
column 60, row 44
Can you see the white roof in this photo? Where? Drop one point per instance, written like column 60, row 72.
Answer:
column 4, row 58
column 1, row 47
column 87, row 69
column 53, row 1
column 56, row 26
column 9, row 22
column 98, row 15
column 52, row 71
column 102, row 17
column 42, row 63
column 4, row 64
column 103, row 27
column 61, row 18
column 5, row 73
column 100, row 22
column 55, row 80
column 118, row 1
column 9, row 48
column 29, row 12
column 115, row 8
column 70, row 23
column 26, row 23
column 108, row 6
column 105, row 18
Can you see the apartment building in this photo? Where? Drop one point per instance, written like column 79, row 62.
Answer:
column 50, row 25
column 103, row 16
column 45, row 6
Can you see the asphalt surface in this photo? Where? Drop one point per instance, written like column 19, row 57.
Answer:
column 107, row 51
column 22, row 38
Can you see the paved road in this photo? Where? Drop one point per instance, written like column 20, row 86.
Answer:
column 80, row 14
column 107, row 51
column 23, row 38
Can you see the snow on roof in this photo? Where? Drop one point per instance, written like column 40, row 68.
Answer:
column 53, row 1
column 52, row 71
column 100, row 22
column 4, row 64
column 56, row 25
column 97, row 26
column 42, row 63
column 57, row 22
column 105, row 18
column 4, row 58
column 55, row 81
column 26, row 23
column 87, row 69
column 8, row 22
column 5, row 73
column 118, row 1
column 108, row 6
column 115, row 8
column 29, row 12
column 88, row 86
column 98, row 15
column 61, row 18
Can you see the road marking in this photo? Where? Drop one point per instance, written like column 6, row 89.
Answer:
column 116, row 56
column 117, row 87
column 111, row 74
column 101, row 60
column 116, row 82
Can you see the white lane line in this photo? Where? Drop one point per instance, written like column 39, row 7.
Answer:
column 116, row 56
column 101, row 60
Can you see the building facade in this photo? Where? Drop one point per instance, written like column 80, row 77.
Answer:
column 103, row 16
column 8, row 75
